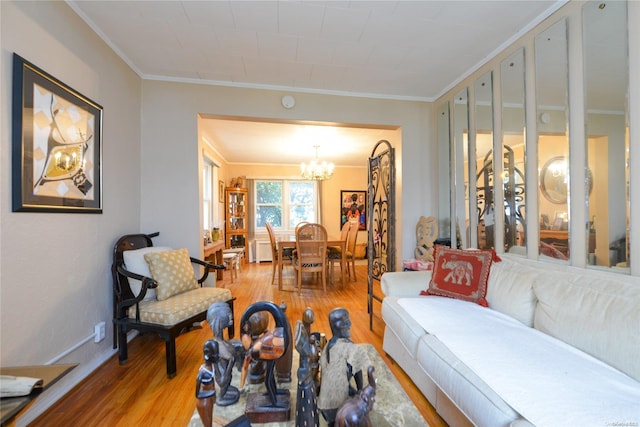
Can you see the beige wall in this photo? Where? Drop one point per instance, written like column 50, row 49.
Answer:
column 172, row 151
column 55, row 268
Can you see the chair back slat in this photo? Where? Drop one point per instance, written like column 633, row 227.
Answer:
column 311, row 244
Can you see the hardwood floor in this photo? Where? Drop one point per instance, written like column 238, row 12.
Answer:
column 139, row 393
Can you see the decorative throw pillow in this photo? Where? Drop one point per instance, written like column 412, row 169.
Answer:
column 461, row 274
column 173, row 272
column 134, row 262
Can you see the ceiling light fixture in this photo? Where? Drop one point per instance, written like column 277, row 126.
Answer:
column 316, row 170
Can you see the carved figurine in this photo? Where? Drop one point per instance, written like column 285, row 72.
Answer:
column 306, row 403
column 205, row 385
column 355, row 411
column 274, row 405
column 283, row 365
column 220, row 317
column 341, row 361
column 257, row 326
column 317, row 342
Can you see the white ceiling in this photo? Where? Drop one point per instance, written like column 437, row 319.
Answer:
column 408, row 50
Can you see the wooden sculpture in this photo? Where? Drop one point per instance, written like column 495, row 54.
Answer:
column 275, row 404
column 355, row 411
column 283, row 365
column 306, row 402
column 257, row 325
column 205, row 385
column 341, row 362
column 219, row 316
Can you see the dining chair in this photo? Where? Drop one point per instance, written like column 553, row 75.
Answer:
column 335, row 252
column 351, row 249
column 286, row 255
column 310, row 255
column 300, row 224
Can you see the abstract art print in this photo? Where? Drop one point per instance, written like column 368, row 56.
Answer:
column 57, row 141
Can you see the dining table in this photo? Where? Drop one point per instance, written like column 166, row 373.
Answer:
column 285, row 244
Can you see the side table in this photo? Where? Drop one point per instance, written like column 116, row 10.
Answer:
column 12, row 406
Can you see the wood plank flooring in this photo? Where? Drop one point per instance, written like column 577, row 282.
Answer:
column 139, row 393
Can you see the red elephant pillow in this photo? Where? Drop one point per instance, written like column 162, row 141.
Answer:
column 461, row 274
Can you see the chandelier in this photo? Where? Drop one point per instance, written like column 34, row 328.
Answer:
column 316, row 170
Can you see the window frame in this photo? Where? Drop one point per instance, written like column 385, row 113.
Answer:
column 285, row 204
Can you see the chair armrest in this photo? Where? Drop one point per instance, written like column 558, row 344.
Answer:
column 207, row 268
column 147, row 282
column 405, row 283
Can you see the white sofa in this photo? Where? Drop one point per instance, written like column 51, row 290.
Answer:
column 558, row 345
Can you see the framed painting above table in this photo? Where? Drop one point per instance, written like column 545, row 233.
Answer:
column 352, row 206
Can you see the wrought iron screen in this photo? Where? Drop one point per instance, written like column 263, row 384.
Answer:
column 381, row 206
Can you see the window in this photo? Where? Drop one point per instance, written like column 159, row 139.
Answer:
column 285, row 203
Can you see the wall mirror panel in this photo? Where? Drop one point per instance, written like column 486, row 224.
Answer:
column 607, row 144
column 444, row 160
column 460, row 154
column 552, row 114
column 482, row 168
column 514, row 149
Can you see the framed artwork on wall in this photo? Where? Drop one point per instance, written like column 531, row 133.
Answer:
column 57, row 145
column 221, row 191
column 352, row 205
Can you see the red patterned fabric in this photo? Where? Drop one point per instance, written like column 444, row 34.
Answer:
column 461, row 274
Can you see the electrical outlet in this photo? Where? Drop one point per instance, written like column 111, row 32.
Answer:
column 99, row 331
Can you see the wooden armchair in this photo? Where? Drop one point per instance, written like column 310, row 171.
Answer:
column 167, row 304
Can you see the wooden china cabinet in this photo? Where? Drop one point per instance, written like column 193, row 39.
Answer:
column 237, row 223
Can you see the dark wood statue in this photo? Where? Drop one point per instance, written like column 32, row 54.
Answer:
column 205, row 385
column 355, row 411
column 306, row 403
column 257, row 326
column 317, row 341
column 275, row 404
column 283, row 365
column 220, row 317
column 342, row 363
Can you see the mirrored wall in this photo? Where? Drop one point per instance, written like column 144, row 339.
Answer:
column 493, row 203
column 514, row 149
column 606, row 71
column 552, row 112
column 481, row 168
column 460, row 157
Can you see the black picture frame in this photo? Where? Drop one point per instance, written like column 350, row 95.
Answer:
column 57, row 144
column 353, row 202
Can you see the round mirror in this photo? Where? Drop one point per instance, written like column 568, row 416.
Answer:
column 554, row 180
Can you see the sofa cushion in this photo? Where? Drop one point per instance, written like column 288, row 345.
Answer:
column 134, row 262
column 404, row 283
column 473, row 397
column 543, row 379
column 173, row 272
column 461, row 274
column 596, row 313
column 510, row 289
column 179, row 307
column 405, row 327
